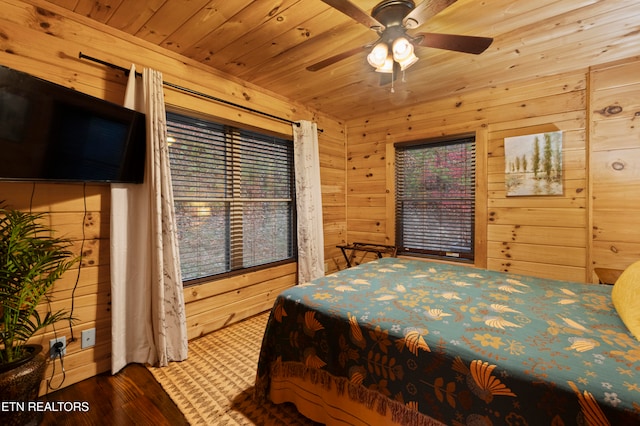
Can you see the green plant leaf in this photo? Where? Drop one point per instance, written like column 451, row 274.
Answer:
column 31, row 261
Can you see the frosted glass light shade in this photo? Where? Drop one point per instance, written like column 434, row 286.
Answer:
column 378, row 55
column 403, row 53
column 387, row 67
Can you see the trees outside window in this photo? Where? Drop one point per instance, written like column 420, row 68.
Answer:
column 234, row 197
column 435, row 198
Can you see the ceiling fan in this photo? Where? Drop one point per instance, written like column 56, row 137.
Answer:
column 394, row 49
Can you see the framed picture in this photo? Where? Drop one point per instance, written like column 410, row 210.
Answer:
column 533, row 164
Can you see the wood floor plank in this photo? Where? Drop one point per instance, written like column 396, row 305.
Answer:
column 131, row 397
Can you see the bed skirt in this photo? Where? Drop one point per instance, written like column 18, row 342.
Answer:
column 332, row 400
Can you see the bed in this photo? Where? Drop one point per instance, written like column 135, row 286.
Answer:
column 422, row 343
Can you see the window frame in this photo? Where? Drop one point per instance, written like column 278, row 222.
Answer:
column 453, row 256
column 234, row 233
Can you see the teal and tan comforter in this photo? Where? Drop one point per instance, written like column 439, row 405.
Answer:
column 463, row 346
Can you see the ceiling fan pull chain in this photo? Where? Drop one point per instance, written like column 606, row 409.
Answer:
column 393, row 80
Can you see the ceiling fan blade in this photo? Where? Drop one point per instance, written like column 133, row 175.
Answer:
column 458, row 43
column 425, row 11
column 354, row 12
column 336, row 58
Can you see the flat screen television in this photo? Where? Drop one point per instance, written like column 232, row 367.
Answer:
column 49, row 132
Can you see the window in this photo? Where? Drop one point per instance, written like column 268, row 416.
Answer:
column 233, row 192
column 435, row 198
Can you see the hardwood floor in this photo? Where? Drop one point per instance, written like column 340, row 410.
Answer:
column 131, row 397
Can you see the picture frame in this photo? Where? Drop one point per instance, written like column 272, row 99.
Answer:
column 533, row 164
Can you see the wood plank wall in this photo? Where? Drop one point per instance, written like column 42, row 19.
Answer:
column 593, row 224
column 542, row 236
column 44, row 40
column 615, row 163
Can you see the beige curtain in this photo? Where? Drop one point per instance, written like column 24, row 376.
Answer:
column 308, row 201
column 147, row 302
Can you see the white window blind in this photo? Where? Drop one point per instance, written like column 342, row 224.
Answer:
column 233, row 193
column 435, row 198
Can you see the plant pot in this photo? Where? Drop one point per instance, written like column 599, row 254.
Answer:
column 19, row 385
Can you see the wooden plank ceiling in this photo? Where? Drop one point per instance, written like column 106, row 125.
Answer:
column 271, row 42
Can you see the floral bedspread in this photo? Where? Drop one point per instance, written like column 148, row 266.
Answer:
column 464, row 346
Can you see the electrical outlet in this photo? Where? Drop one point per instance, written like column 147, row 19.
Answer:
column 54, row 351
column 88, row 338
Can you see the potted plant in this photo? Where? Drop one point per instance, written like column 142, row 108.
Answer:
column 31, row 261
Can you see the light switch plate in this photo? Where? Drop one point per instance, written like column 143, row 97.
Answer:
column 88, row 338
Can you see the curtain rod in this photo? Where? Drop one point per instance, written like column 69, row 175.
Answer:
column 191, row 91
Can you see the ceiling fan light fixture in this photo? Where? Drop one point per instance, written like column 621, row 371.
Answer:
column 406, row 63
column 402, row 49
column 378, row 55
column 403, row 53
column 387, row 67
